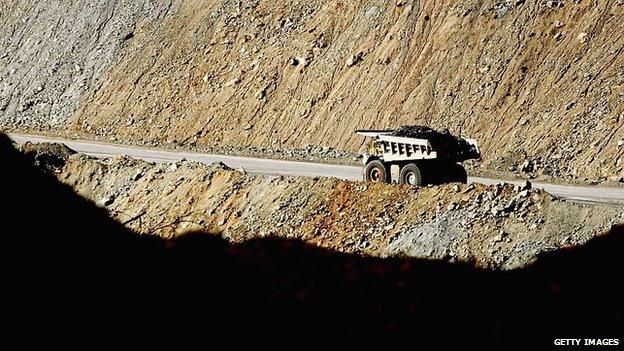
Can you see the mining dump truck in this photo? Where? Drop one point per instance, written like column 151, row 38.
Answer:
column 417, row 155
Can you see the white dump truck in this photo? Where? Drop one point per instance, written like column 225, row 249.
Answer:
column 396, row 156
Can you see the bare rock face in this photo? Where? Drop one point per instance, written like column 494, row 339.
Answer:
column 53, row 52
column 538, row 78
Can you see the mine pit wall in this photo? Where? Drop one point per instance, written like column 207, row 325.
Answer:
column 530, row 80
column 494, row 227
column 54, row 52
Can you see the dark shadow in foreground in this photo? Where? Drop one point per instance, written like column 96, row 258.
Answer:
column 72, row 274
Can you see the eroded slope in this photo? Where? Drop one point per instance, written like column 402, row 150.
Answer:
column 497, row 226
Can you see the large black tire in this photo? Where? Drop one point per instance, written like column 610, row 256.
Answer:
column 457, row 174
column 444, row 172
column 411, row 174
column 377, row 172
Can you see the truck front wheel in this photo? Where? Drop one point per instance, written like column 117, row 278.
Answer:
column 411, row 175
column 376, row 172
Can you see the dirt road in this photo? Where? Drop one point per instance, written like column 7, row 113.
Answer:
column 304, row 169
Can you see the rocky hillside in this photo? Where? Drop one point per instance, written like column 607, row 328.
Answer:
column 539, row 83
column 494, row 227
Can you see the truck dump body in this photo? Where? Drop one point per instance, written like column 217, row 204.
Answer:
column 420, row 142
column 443, row 142
column 400, row 149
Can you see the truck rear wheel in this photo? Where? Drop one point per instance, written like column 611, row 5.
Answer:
column 411, row 175
column 376, row 172
column 457, row 173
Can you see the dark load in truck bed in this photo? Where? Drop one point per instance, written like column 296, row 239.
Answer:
column 446, row 144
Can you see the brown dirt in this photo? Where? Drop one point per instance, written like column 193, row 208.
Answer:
column 494, row 227
column 458, row 69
